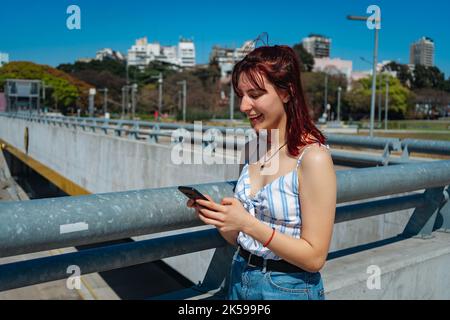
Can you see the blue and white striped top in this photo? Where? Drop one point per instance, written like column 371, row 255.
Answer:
column 276, row 204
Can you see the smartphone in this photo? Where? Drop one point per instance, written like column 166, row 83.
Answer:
column 192, row 193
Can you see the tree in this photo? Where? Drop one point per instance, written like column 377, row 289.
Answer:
column 359, row 98
column 314, row 88
column 404, row 74
column 66, row 90
column 428, row 77
column 437, row 100
column 115, row 67
column 306, row 59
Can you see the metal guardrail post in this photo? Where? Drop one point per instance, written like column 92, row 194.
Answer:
column 443, row 218
column 421, row 223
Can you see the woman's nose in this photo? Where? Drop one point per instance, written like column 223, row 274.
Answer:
column 245, row 105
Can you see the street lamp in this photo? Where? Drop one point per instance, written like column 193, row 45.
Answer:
column 339, row 105
column 325, row 99
column 160, row 84
column 374, row 76
column 134, row 88
column 183, row 83
column 92, row 93
column 386, row 106
column 105, row 100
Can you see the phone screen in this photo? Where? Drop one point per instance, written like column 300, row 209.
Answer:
column 192, row 193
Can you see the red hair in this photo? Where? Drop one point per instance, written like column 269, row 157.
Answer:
column 281, row 66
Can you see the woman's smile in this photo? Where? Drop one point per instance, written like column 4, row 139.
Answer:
column 256, row 119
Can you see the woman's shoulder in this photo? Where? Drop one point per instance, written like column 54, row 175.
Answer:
column 316, row 155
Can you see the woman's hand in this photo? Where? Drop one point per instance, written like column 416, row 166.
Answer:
column 230, row 215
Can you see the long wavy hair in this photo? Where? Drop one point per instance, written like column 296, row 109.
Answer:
column 281, row 66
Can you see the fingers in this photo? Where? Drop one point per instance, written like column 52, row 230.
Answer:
column 228, row 201
column 210, row 204
column 210, row 221
column 212, row 214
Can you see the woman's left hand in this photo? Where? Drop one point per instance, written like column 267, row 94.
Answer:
column 230, row 215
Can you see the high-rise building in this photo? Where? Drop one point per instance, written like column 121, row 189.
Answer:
column 186, row 53
column 422, row 52
column 317, row 45
column 142, row 53
column 4, row 59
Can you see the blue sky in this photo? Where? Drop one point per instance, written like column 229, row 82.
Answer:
column 36, row 30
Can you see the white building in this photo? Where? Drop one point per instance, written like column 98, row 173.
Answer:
column 422, row 52
column 186, row 53
column 227, row 57
column 4, row 59
column 142, row 53
column 108, row 53
column 317, row 45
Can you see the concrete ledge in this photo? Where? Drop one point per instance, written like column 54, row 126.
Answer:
column 410, row 269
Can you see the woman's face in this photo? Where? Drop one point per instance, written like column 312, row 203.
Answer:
column 264, row 107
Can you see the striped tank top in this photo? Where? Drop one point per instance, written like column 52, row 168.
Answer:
column 275, row 204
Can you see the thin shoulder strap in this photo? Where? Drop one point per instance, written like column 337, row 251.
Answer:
column 306, row 148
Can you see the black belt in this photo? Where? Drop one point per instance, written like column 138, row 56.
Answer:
column 271, row 265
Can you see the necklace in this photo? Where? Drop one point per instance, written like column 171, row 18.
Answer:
column 266, row 160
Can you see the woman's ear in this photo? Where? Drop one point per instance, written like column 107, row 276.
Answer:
column 285, row 97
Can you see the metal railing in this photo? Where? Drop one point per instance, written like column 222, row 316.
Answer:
column 212, row 138
column 45, row 224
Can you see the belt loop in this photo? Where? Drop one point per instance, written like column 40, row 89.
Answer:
column 264, row 270
column 249, row 261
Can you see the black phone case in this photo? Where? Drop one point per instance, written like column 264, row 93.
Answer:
column 192, row 193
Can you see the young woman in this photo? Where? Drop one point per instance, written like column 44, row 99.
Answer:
column 282, row 223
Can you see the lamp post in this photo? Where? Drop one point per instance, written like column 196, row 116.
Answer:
column 183, row 84
column 123, row 101
column 105, row 99
column 374, row 73
column 92, row 93
column 134, row 88
column 386, row 106
column 160, row 84
column 339, row 105
column 325, row 97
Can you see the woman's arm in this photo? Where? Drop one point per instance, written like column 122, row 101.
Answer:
column 229, row 235
column 318, row 205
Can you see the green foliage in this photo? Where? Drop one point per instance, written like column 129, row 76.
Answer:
column 64, row 88
column 314, row 87
column 115, row 67
column 359, row 98
column 428, row 77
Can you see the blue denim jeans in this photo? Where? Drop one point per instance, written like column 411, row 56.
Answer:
column 255, row 283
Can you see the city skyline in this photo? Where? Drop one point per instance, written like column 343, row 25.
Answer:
column 41, row 36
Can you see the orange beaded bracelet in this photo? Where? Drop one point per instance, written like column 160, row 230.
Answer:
column 271, row 237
